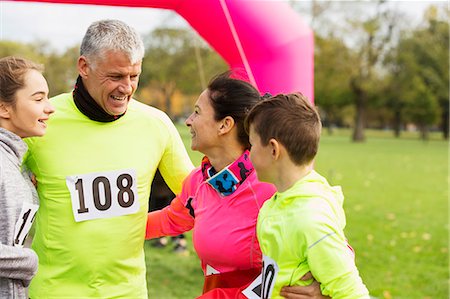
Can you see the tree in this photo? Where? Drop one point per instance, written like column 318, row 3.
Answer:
column 61, row 71
column 172, row 63
column 332, row 66
column 422, row 108
column 365, row 30
column 34, row 52
column 435, row 59
column 420, row 75
column 375, row 33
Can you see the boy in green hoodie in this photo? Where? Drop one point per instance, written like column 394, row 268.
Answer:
column 300, row 229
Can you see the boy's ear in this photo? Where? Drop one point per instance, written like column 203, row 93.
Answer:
column 226, row 125
column 275, row 149
column 4, row 111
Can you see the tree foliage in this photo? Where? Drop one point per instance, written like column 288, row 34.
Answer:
column 60, row 68
column 368, row 55
column 176, row 59
column 375, row 33
column 372, row 69
column 419, row 65
column 332, row 67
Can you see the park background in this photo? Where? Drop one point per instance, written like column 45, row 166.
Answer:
column 382, row 88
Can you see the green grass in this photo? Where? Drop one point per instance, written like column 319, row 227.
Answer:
column 170, row 275
column 397, row 217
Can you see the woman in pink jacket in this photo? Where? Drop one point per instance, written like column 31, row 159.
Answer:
column 220, row 200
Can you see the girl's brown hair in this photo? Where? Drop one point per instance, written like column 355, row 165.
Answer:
column 12, row 76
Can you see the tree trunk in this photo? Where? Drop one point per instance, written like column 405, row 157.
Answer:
column 330, row 129
column 360, row 117
column 327, row 122
column 424, row 132
column 397, row 123
column 445, row 123
column 168, row 90
column 201, row 71
column 168, row 104
column 358, row 133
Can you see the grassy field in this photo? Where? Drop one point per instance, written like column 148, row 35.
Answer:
column 397, row 217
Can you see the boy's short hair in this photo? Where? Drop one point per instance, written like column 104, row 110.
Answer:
column 291, row 120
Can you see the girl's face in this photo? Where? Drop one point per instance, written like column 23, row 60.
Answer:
column 32, row 108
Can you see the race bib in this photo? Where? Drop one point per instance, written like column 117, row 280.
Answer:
column 262, row 286
column 210, row 270
column 269, row 275
column 253, row 291
column 24, row 223
column 103, row 194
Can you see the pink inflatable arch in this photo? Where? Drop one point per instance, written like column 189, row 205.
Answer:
column 265, row 38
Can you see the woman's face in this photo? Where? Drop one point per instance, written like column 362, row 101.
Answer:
column 203, row 127
column 32, row 108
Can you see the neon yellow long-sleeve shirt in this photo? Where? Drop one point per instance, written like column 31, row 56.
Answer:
column 94, row 182
column 302, row 230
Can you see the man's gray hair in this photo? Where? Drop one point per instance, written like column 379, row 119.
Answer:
column 115, row 35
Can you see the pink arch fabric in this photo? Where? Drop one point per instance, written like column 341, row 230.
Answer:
column 267, row 39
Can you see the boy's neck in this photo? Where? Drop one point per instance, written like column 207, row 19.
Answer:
column 290, row 173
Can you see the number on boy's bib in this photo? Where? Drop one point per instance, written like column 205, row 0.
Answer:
column 262, row 286
column 103, row 194
column 269, row 274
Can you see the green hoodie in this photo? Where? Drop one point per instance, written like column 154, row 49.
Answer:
column 302, row 230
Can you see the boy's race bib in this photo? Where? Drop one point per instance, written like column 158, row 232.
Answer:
column 262, row 286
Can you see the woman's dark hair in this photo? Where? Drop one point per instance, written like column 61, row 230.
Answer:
column 233, row 97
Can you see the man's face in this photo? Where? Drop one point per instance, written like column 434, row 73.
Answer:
column 111, row 80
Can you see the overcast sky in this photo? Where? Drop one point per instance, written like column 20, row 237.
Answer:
column 63, row 25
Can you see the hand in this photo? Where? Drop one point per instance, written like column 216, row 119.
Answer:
column 26, row 283
column 311, row 291
column 33, row 180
